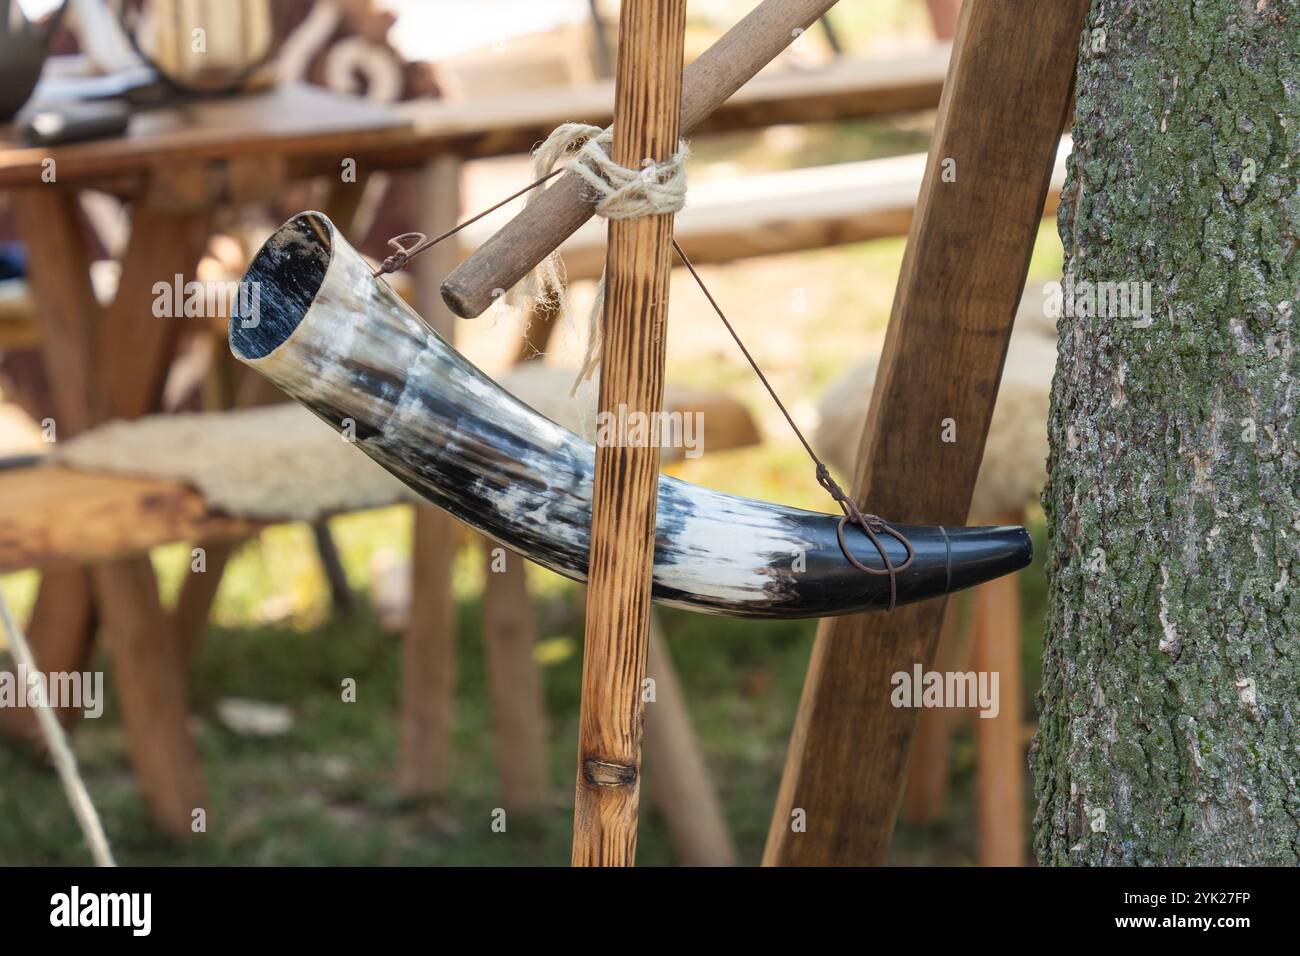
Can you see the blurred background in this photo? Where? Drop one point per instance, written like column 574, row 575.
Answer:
column 292, row 776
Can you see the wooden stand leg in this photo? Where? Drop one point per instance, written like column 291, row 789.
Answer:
column 930, row 770
column 1001, row 766
column 646, row 119
column 428, row 659
column 514, row 681
column 678, row 776
column 960, row 285
column 149, row 671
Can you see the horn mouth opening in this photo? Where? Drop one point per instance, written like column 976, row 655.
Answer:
column 280, row 285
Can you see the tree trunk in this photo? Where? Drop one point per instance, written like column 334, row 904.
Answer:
column 1170, row 730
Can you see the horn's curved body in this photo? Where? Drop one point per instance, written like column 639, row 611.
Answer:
column 345, row 345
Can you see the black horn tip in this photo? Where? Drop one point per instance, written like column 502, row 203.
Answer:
column 978, row 555
column 280, row 285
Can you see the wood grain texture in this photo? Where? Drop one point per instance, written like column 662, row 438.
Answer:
column 647, row 115
column 556, row 214
column 53, row 517
column 961, row 280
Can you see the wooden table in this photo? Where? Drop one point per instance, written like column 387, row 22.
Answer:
column 174, row 166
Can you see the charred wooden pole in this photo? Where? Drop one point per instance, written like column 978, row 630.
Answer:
column 647, row 112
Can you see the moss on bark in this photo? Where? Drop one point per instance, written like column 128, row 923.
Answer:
column 1170, row 728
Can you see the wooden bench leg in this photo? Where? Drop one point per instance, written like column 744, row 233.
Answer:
column 428, row 659
column 149, row 671
column 677, row 775
column 61, row 632
column 929, row 770
column 197, row 594
column 1000, row 753
column 514, row 681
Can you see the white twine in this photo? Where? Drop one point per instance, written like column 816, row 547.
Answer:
column 622, row 193
column 65, row 762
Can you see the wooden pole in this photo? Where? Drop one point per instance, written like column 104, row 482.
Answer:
column 647, row 111
column 960, row 284
column 558, row 212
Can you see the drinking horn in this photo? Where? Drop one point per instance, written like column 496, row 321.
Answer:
column 313, row 319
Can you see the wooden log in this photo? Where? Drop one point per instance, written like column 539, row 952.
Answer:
column 681, row 787
column 647, row 113
column 429, row 641
column 961, row 281
column 554, row 216
column 1001, row 768
column 514, row 681
column 345, row 345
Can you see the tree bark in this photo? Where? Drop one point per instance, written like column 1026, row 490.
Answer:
column 1170, row 729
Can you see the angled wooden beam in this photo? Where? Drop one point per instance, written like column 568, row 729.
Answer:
column 646, row 125
column 961, row 280
column 554, row 215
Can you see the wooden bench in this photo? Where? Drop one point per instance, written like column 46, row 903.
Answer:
column 772, row 213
